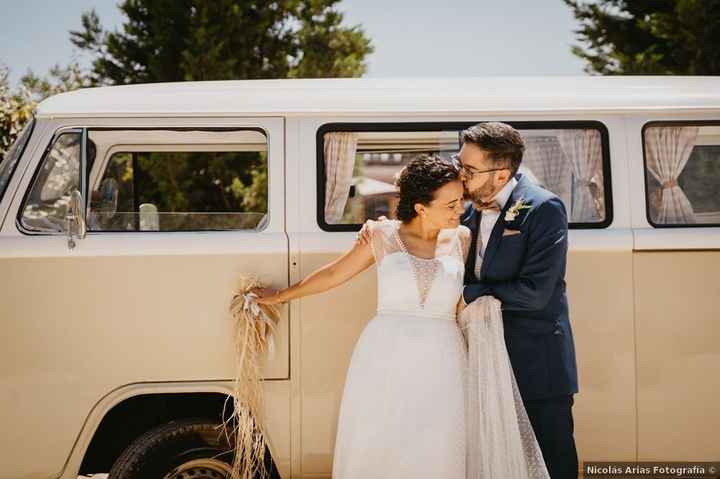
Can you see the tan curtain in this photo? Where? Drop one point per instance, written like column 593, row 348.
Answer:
column 583, row 150
column 545, row 159
column 340, row 149
column 668, row 150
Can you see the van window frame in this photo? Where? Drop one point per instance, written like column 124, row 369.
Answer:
column 19, row 152
column 459, row 126
column 81, row 129
column 31, row 185
column 669, row 123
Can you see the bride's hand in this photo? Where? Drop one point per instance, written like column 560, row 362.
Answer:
column 267, row 296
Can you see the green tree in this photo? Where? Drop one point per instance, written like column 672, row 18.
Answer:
column 17, row 105
column 665, row 37
column 186, row 40
column 176, row 40
column 15, row 110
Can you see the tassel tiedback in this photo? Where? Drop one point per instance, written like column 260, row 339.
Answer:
column 255, row 326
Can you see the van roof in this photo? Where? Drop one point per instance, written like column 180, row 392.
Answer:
column 377, row 96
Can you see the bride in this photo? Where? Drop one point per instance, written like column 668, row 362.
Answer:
column 404, row 410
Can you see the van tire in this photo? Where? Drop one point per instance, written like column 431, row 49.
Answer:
column 162, row 450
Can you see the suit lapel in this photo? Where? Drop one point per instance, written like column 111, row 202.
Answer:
column 496, row 235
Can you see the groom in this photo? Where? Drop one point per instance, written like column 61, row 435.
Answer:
column 518, row 255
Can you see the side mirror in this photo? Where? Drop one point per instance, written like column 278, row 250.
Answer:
column 76, row 227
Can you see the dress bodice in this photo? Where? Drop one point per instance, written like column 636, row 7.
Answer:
column 418, row 286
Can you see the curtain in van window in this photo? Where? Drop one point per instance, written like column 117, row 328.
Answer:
column 583, row 150
column 340, row 149
column 547, row 162
column 667, row 151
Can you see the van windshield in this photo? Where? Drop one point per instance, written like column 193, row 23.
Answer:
column 13, row 154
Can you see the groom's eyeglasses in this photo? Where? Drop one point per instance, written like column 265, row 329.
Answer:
column 468, row 171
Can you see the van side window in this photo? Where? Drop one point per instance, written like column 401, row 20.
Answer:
column 358, row 163
column 160, row 180
column 46, row 206
column 11, row 157
column 682, row 173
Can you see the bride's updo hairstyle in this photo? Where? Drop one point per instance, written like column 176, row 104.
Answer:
column 418, row 181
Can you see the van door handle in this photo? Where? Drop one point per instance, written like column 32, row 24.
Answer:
column 76, row 226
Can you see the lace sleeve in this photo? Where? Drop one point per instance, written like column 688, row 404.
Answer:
column 380, row 238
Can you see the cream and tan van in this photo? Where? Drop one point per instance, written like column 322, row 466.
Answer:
column 128, row 214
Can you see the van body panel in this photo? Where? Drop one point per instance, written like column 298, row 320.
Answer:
column 86, row 321
column 676, row 297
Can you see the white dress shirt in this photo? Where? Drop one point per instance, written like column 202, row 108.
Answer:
column 488, row 218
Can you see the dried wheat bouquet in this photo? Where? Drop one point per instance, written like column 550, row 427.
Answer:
column 254, row 329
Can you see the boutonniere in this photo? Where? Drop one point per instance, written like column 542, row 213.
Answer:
column 515, row 209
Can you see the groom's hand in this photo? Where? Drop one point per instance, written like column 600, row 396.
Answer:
column 363, row 235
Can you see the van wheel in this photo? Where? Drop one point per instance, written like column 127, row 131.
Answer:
column 186, row 448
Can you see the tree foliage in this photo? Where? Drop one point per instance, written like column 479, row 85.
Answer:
column 191, row 40
column 664, row 37
column 176, row 40
column 18, row 104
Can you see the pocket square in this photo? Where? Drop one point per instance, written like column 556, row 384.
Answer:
column 508, row 232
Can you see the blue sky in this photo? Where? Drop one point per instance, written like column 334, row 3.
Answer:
column 412, row 38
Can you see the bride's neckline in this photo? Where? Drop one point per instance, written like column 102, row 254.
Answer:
column 403, row 247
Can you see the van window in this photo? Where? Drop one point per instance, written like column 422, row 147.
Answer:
column 12, row 156
column 358, row 163
column 159, row 180
column 46, row 206
column 682, row 173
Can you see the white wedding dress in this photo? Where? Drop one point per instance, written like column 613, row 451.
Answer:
column 403, row 406
column 415, row 403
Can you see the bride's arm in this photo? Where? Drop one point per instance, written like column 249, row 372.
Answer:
column 356, row 260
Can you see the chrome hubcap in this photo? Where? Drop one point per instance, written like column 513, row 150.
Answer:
column 201, row 469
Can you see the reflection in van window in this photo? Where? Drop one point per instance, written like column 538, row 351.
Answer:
column 46, row 207
column 682, row 174
column 214, row 184
column 11, row 157
column 360, row 167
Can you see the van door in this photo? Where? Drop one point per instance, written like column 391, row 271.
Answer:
column 176, row 212
column 676, row 263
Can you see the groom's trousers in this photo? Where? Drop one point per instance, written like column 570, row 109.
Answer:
column 552, row 422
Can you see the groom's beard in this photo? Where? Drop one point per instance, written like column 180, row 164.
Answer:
column 483, row 191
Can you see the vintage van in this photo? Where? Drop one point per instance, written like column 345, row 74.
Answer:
column 128, row 213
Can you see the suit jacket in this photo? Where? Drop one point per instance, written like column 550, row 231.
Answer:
column 524, row 267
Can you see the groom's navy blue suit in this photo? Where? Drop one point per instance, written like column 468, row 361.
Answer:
column 525, row 270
